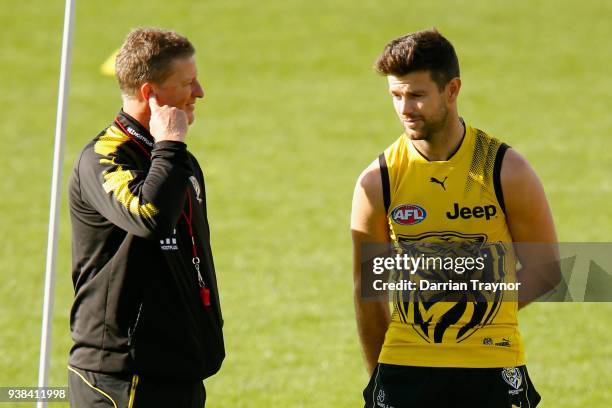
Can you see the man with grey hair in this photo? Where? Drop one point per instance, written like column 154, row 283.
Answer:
column 146, row 320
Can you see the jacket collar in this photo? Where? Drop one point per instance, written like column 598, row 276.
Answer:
column 135, row 130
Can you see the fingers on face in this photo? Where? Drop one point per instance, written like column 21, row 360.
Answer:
column 153, row 104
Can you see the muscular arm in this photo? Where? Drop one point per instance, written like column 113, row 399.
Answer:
column 530, row 221
column 369, row 224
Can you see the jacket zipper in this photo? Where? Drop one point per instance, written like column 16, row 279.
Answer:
column 132, row 329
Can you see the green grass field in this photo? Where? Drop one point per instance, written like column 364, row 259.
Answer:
column 293, row 112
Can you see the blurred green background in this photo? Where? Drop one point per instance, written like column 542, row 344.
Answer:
column 293, row 112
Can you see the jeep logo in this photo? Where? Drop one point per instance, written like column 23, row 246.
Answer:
column 488, row 211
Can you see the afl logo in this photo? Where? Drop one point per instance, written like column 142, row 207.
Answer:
column 408, row 214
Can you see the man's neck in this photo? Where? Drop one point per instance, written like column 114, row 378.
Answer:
column 137, row 110
column 442, row 145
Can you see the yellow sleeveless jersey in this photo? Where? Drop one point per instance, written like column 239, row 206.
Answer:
column 444, row 202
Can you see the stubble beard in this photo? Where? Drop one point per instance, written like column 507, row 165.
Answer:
column 430, row 127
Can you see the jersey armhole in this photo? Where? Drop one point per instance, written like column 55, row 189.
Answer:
column 384, row 175
column 499, row 158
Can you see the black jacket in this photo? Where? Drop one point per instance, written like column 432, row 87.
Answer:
column 137, row 306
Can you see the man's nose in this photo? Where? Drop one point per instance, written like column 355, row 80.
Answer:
column 407, row 107
column 197, row 90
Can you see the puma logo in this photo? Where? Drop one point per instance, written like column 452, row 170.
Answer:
column 435, row 180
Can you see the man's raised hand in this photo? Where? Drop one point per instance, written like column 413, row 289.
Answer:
column 167, row 122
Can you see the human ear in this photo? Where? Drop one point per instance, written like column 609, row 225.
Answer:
column 145, row 91
column 453, row 87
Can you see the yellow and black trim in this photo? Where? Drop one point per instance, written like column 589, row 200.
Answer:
column 135, row 380
column 110, row 141
column 483, row 161
column 90, row 385
column 117, row 180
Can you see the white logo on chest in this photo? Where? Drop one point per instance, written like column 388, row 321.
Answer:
column 169, row 244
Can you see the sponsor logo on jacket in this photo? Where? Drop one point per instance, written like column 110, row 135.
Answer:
column 169, row 244
column 140, row 137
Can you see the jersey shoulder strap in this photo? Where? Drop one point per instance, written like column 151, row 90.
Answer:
column 384, row 175
column 499, row 158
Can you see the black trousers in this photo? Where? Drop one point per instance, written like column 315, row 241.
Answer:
column 393, row 386
column 96, row 390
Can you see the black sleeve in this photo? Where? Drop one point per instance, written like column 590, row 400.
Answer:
column 146, row 203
